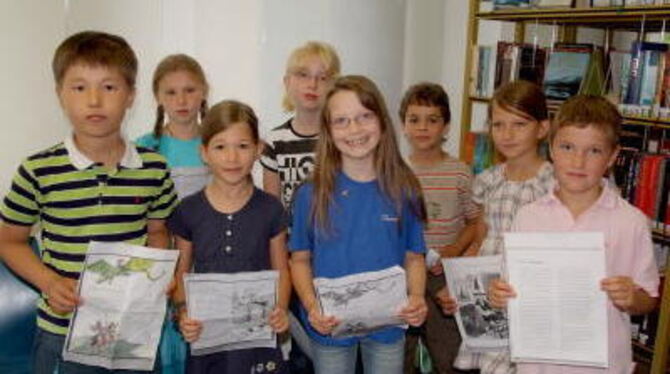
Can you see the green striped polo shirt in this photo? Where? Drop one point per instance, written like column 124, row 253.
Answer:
column 75, row 201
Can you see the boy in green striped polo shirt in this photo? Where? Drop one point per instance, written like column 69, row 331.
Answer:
column 92, row 186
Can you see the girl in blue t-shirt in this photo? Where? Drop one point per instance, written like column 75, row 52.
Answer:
column 362, row 211
column 180, row 89
column 231, row 226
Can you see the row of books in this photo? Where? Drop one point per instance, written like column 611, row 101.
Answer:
column 644, row 180
column 637, row 80
column 507, row 4
column 479, row 152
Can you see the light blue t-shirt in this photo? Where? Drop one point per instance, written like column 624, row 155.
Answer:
column 367, row 235
column 178, row 152
column 187, row 169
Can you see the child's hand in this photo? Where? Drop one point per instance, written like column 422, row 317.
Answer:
column 321, row 323
column 61, row 295
column 171, row 287
column 437, row 269
column 621, row 290
column 415, row 311
column 190, row 328
column 446, row 302
column 499, row 292
column 472, row 250
column 279, row 319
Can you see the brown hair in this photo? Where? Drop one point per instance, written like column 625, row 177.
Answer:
column 589, row 110
column 523, row 98
column 426, row 94
column 324, row 51
column 171, row 64
column 95, row 48
column 226, row 113
column 394, row 177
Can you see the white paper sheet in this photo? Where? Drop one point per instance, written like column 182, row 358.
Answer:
column 122, row 288
column 364, row 302
column 233, row 308
column 189, row 180
column 482, row 327
column 560, row 314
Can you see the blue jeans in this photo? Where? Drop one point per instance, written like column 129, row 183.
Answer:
column 48, row 359
column 378, row 358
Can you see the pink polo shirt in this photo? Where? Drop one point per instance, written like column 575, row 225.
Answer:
column 628, row 252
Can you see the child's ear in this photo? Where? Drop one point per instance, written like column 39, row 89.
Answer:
column 543, row 130
column 259, row 149
column 131, row 97
column 613, row 156
column 203, row 153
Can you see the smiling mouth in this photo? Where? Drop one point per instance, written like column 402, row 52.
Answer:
column 357, row 142
column 96, row 117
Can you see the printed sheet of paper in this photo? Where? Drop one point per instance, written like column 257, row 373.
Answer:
column 233, row 308
column 364, row 302
column 189, row 180
column 482, row 327
column 560, row 314
column 122, row 288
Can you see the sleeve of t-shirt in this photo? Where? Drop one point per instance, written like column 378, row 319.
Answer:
column 177, row 223
column 279, row 217
column 412, row 231
column 147, row 141
column 468, row 206
column 21, row 204
column 302, row 234
column 645, row 270
column 165, row 199
column 269, row 155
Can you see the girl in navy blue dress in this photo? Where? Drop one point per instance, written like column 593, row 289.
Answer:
column 231, row 226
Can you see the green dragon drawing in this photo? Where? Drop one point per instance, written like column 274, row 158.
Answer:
column 108, row 272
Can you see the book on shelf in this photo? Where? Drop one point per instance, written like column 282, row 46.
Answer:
column 479, row 152
column 554, row 3
column 566, row 68
column 506, row 4
column 483, row 72
column 519, row 61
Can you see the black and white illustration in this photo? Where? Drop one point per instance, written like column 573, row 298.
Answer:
column 482, row 327
column 363, row 302
column 234, row 309
column 118, row 326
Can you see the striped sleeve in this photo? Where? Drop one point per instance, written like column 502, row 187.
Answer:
column 21, row 204
column 165, row 200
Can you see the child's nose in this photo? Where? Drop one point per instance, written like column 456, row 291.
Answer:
column 578, row 160
column 94, row 97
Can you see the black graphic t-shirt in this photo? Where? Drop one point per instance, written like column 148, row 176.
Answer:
column 291, row 155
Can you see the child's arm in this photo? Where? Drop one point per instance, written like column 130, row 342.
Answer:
column 480, row 229
column 60, row 292
column 499, row 292
column 271, row 183
column 447, row 303
column 465, row 238
column 415, row 311
column 301, row 274
column 190, row 328
column 279, row 259
column 157, row 234
column 627, row 296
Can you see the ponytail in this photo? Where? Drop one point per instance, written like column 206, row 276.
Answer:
column 160, row 118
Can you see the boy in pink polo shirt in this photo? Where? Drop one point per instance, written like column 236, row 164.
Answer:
column 584, row 145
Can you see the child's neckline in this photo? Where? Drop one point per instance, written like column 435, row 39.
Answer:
column 527, row 176
column 227, row 212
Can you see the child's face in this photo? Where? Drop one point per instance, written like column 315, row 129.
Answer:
column 515, row 136
column 307, row 84
column 181, row 96
column 424, row 127
column 581, row 157
column 95, row 99
column 231, row 153
column 354, row 128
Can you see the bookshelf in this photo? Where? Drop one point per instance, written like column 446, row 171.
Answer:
column 568, row 21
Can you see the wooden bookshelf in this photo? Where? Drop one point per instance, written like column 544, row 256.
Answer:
column 653, row 18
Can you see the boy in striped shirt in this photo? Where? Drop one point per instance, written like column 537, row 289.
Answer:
column 93, row 186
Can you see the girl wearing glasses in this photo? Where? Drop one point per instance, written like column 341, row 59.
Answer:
column 361, row 212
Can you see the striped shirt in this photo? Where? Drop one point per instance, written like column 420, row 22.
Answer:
column 447, row 190
column 76, row 201
column 291, row 155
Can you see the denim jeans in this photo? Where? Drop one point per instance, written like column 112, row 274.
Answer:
column 48, row 359
column 378, row 358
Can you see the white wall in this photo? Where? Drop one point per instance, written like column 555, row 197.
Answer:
column 242, row 45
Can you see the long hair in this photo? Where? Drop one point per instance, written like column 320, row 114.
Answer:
column 171, row 64
column 394, row 177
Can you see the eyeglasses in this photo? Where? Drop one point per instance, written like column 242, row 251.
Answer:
column 365, row 119
column 304, row 76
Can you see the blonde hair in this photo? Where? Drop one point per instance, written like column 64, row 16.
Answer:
column 171, row 64
column 324, row 51
column 394, row 177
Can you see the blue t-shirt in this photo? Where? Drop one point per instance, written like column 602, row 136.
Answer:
column 178, row 152
column 366, row 235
